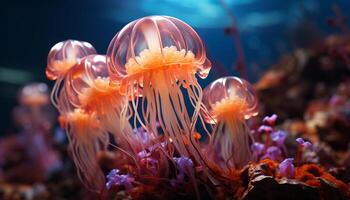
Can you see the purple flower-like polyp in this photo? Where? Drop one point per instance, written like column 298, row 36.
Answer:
column 270, row 120
column 257, row 148
column 273, row 153
column 287, row 169
column 116, row 179
column 303, row 143
column 279, row 137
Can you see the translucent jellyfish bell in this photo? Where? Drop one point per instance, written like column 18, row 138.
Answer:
column 65, row 55
column 34, row 94
column 230, row 94
column 134, row 49
column 88, row 81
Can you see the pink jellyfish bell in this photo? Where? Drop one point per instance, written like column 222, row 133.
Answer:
column 230, row 101
column 62, row 57
column 34, row 110
column 160, row 55
column 34, row 95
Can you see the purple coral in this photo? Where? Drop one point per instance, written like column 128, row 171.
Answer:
column 304, row 144
column 143, row 154
column 257, row 148
column 183, row 163
column 270, row 120
column 150, row 164
column 279, row 137
column 273, row 153
column 287, row 169
column 336, row 100
column 116, row 179
column 265, row 129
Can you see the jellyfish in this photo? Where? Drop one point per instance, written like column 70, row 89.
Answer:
column 86, row 140
column 34, row 95
column 157, row 57
column 34, row 109
column 63, row 56
column 86, row 137
column 230, row 102
column 87, row 86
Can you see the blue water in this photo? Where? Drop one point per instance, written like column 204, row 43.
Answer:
column 268, row 28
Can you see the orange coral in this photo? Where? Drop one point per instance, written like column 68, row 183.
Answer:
column 271, row 166
column 310, row 174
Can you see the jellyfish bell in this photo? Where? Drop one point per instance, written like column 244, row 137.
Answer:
column 159, row 55
column 87, row 83
column 34, row 109
column 87, row 86
column 230, row 95
column 230, row 101
column 156, row 42
column 61, row 58
column 64, row 55
column 34, row 94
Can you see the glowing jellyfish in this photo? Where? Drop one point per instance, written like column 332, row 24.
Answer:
column 63, row 56
column 34, row 110
column 160, row 55
column 34, row 95
column 86, row 139
column 230, row 101
column 87, row 86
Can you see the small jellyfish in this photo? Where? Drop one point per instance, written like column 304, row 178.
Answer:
column 87, row 138
column 155, row 58
column 63, row 56
column 34, row 108
column 34, row 95
column 230, row 101
column 87, row 86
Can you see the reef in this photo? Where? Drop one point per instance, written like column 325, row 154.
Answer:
column 137, row 124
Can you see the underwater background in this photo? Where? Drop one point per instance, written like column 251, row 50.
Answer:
column 267, row 30
column 137, row 123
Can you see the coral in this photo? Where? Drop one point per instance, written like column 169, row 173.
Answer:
column 311, row 174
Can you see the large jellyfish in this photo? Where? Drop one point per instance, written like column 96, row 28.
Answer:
column 87, row 86
column 63, row 56
column 159, row 56
column 230, row 101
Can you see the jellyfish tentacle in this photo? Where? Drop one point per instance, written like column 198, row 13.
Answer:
column 54, row 95
column 236, row 144
column 84, row 150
